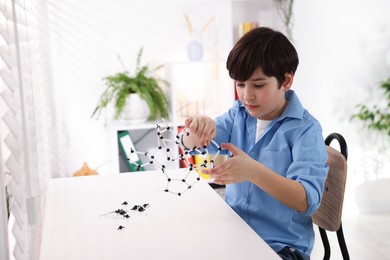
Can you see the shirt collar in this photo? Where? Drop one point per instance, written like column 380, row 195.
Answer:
column 294, row 107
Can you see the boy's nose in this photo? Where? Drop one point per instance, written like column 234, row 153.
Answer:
column 248, row 94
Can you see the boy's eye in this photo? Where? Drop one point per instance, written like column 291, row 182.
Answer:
column 240, row 84
column 259, row 85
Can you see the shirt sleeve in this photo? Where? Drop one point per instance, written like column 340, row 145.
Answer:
column 224, row 124
column 310, row 166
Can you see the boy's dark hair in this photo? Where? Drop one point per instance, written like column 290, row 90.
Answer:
column 265, row 48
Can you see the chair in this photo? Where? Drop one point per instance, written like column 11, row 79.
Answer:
column 328, row 215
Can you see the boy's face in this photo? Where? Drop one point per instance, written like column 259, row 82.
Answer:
column 262, row 96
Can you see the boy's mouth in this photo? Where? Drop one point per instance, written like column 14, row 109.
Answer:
column 251, row 107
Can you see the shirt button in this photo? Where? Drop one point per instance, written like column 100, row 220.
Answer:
column 252, row 154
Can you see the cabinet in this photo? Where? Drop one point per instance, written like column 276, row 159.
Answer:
column 204, row 86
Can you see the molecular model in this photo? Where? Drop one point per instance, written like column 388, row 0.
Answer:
column 124, row 212
column 163, row 156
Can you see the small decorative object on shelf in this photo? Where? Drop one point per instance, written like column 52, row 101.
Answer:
column 85, row 171
column 245, row 27
column 136, row 92
column 195, row 50
column 195, row 46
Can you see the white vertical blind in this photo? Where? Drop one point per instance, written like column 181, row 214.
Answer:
column 4, row 245
column 25, row 125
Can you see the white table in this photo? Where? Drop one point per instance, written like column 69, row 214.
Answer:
column 197, row 225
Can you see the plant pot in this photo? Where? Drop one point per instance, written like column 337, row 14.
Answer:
column 136, row 110
column 373, row 196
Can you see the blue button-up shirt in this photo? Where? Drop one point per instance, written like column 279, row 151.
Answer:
column 293, row 147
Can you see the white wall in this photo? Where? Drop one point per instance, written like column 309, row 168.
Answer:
column 344, row 49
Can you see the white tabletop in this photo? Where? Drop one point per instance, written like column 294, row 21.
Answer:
column 196, row 225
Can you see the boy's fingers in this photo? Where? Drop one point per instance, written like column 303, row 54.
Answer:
column 203, row 136
column 206, row 171
column 187, row 122
column 206, row 138
column 211, row 136
column 220, row 168
column 232, row 148
column 193, row 125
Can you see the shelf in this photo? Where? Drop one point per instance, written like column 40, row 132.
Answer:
column 263, row 12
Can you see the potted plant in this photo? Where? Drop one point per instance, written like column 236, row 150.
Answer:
column 377, row 118
column 373, row 195
column 286, row 8
column 123, row 90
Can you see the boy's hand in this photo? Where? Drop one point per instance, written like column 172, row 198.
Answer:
column 202, row 130
column 236, row 169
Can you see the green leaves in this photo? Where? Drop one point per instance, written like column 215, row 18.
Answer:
column 376, row 118
column 122, row 84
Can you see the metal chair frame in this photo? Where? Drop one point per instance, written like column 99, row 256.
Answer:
column 316, row 219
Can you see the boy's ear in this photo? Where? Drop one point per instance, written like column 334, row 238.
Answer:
column 288, row 80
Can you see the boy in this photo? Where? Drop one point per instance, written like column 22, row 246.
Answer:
column 276, row 176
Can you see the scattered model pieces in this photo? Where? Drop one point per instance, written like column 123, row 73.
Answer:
column 124, row 213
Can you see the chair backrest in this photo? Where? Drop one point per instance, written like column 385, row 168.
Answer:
column 328, row 216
